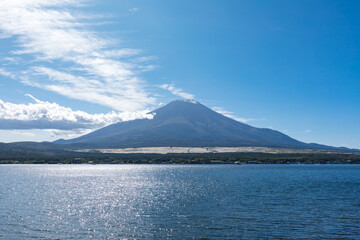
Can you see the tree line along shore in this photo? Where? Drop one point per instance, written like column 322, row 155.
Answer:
column 189, row 158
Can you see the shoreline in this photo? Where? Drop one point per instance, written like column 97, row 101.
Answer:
column 203, row 150
column 183, row 158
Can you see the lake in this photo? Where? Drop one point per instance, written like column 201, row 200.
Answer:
column 179, row 201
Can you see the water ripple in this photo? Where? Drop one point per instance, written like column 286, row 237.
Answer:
column 179, row 201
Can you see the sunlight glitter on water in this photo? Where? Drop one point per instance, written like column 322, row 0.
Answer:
column 179, row 201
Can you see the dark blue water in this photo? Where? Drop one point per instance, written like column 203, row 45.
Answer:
column 179, row 201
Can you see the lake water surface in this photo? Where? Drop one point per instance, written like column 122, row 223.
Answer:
column 179, row 201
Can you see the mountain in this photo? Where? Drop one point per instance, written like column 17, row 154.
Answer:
column 14, row 150
column 185, row 123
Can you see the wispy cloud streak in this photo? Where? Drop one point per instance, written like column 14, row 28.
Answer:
column 71, row 60
column 231, row 115
column 177, row 91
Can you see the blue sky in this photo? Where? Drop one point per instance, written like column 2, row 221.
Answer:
column 69, row 67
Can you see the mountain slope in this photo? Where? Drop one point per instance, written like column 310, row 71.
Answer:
column 184, row 123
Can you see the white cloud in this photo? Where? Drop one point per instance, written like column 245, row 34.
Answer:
column 308, row 131
column 46, row 115
column 55, row 38
column 231, row 115
column 55, row 133
column 133, row 9
column 177, row 91
column 10, row 59
column 23, row 133
column 6, row 73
